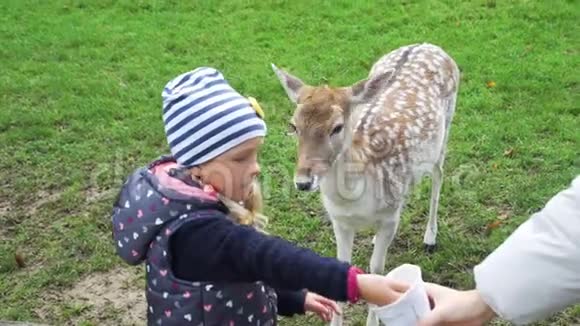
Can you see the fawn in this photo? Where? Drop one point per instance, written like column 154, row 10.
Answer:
column 365, row 146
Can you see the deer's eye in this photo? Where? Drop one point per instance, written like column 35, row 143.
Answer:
column 336, row 130
column 291, row 129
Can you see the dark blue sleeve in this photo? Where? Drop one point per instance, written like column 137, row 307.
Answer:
column 290, row 302
column 216, row 249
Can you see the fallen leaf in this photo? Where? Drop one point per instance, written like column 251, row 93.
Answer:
column 19, row 260
column 508, row 152
column 490, row 84
column 492, row 226
column 494, row 166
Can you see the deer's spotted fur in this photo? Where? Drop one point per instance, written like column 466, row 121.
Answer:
column 396, row 124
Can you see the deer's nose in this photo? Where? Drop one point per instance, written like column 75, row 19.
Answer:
column 303, row 186
column 303, row 180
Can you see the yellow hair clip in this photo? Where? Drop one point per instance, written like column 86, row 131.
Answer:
column 256, row 107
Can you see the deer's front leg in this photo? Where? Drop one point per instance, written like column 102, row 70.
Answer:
column 344, row 242
column 384, row 237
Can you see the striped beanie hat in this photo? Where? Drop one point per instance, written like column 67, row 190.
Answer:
column 205, row 117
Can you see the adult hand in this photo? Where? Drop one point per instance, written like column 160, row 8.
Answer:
column 454, row 308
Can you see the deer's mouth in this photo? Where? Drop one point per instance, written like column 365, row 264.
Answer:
column 307, row 183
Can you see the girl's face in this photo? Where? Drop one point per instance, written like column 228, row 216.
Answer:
column 233, row 172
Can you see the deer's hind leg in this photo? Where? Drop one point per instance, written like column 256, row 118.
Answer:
column 430, row 238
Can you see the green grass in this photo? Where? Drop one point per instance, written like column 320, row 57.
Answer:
column 80, row 107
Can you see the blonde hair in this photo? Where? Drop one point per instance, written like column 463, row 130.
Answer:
column 250, row 211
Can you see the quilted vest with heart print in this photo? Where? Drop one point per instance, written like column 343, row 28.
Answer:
column 153, row 203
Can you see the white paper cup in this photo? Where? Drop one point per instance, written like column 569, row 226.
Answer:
column 412, row 305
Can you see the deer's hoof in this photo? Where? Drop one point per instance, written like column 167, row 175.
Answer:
column 430, row 248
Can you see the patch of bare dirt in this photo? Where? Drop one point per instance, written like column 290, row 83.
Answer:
column 5, row 208
column 112, row 298
column 43, row 198
column 94, row 194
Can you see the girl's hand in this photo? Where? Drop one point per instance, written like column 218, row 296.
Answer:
column 380, row 290
column 322, row 306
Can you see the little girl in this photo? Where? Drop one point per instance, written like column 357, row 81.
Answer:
column 193, row 217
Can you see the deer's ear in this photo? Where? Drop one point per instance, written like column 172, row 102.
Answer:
column 364, row 90
column 291, row 84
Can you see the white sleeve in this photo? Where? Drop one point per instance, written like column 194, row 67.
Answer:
column 536, row 271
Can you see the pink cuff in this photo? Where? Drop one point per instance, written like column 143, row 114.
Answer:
column 352, row 284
